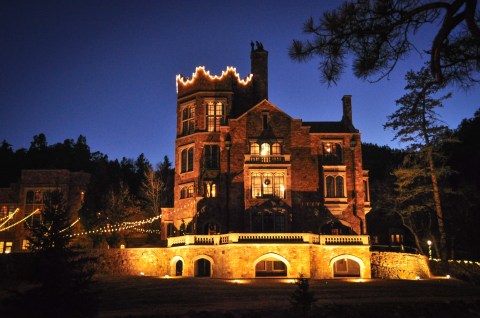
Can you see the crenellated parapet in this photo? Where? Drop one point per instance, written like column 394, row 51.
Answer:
column 202, row 80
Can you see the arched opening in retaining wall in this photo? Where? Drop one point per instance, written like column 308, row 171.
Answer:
column 347, row 266
column 177, row 266
column 202, row 266
column 271, row 265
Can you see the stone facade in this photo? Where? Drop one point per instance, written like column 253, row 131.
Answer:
column 25, row 198
column 243, row 165
column 389, row 265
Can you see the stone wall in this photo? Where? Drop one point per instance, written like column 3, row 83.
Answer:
column 233, row 261
column 391, row 265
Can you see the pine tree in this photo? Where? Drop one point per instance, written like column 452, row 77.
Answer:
column 416, row 123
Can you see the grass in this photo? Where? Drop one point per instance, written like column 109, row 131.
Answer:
column 188, row 297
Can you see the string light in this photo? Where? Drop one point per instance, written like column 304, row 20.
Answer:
column 6, row 228
column 70, row 226
column 230, row 69
column 8, row 217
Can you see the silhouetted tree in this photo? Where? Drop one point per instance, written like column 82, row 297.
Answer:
column 416, row 122
column 302, row 297
column 64, row 275
column 380, row 33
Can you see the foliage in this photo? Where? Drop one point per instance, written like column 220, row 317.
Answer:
column 64, row 275
column 416, row 122
column 302, row 297
column 378, row 34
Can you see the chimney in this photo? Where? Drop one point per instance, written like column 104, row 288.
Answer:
column 347, row 109
column 259, row 69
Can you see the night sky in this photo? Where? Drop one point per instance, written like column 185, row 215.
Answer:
column 106, row 70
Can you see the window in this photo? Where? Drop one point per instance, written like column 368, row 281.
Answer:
column 187, row 191
column 30, row 197
column 276, row 149
column 254, row 149
column 25, row 245
column 212, row 157
column 266, row 184
column 188, row 120
column 270, row 267
column 265, row 149
column 332, row 153
column 6, row 247
column 187, row 160
column 365, row 191
column 210, row 190
column 334, row 187
column 214, row 115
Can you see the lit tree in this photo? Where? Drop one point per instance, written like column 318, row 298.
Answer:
column 379, row 33
column 415, row 122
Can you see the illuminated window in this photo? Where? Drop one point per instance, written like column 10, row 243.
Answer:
column 265, row 149
column 215, row 111
column 276, row 149
column 6, row 247
column 187, row 191
column 82, row 197
column 334, row 186
column 254, row 149
column 266, row 184
column 187, row 160
column 212, row 156
column 25, row 245
column 270, row 267
column 332, row 153
column 210, row 190
column 188, row 120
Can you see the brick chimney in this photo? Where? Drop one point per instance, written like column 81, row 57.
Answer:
column 259, row 69
column 347, row 109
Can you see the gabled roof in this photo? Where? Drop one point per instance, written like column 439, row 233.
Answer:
column 263, row 102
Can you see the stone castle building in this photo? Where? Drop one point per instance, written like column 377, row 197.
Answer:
column 244, row 165
column 22, row 202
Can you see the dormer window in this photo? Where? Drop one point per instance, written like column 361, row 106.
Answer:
column 265, row 149
column 254, row 149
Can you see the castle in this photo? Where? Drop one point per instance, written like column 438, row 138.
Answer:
column 244, row 165
column 249, row 177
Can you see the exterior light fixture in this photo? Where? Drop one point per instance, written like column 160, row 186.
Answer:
column 353, row 143
column 228, row 142
column 429, row 249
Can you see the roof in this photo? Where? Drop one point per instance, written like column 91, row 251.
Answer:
column 329, row 127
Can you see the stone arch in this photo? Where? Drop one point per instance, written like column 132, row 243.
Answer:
column 203, row 261
column 174, row 268
column 275, row 258
column 349, row 259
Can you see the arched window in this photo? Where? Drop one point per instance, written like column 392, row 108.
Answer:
column 270, row 267
column 276, row 149
column 346, row 267
column 254, row 149
column 265, row 149
column 202, row 268
column 187, row 160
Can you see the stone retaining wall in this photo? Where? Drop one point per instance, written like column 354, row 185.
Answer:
column 391, row 265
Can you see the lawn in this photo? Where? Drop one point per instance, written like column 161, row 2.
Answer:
column 187, row 297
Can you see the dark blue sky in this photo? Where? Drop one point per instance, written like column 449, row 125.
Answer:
column 106, row 70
